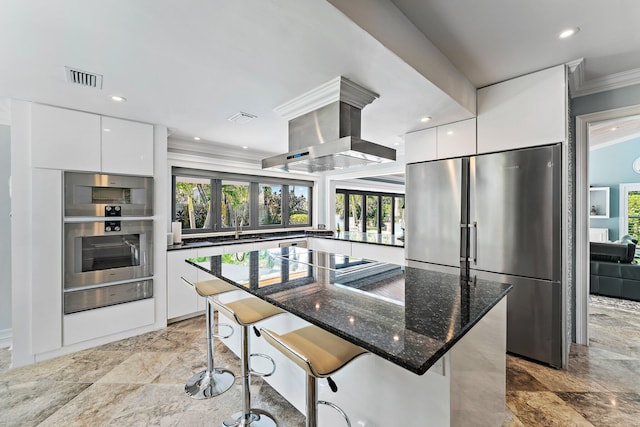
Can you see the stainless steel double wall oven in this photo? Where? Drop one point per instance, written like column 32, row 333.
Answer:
column 108, row 241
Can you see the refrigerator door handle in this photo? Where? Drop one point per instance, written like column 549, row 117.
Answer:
column 473, row 235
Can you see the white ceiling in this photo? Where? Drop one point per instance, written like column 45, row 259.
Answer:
column 495, row 40
column 191, row 64
column 609, row 132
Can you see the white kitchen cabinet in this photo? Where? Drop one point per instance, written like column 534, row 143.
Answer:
column 390, row 254
column 329, row 245
column 104, row 321
column 421, row 146
column 523, row 112
column 46, row 302
column 127, row 147
column 64, row 139
column 456, row 139
column 182, row 299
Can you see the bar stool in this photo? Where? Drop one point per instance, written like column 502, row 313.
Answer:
column 320, row 354
column 212, row 381
column 247, row 312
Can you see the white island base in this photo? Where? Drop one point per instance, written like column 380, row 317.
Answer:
column 466, row 387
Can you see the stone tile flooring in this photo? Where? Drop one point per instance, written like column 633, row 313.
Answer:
column 601, row 386
column 140, row 381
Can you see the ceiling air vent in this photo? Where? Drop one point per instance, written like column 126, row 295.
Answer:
column 241, row 118
column 83, row 78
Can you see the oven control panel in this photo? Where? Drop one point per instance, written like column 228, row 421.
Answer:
column 112, row 226
column 113, row 211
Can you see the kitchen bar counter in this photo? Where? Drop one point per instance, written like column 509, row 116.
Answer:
column 441, row 341
column 408, row 316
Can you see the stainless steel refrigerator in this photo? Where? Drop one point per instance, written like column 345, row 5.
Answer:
column 497, row 216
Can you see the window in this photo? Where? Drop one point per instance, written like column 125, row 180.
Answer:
column 355, row 212
column 387, row 205
column 270, row 204
column 206, row 201
column 373, row 217
column 398, row 207
column 192, row 202
column 630, row 210
column 339, row 211
column 369, row 211
column 235, row 204
column 299, row 205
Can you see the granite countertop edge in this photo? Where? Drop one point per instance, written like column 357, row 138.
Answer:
column 323, row 234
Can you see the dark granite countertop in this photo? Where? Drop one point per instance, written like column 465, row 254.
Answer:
column 406, row 315
column 371, row 238
column 246, row 237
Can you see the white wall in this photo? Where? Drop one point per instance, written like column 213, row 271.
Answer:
column 5, row 236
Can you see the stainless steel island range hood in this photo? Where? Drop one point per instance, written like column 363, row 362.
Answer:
column 324, row 130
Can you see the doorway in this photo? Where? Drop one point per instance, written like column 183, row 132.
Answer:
column 584, row 211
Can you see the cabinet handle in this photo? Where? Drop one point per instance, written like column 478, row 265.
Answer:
column 474, row 231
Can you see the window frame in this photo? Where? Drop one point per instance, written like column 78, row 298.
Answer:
column 623, row 195
column 254, row 181
column 362, row 194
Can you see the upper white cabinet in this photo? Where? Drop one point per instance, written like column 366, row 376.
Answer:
column 457, row 139
column 442, row 142
column 73, row 140
column 127, row 147
column 523, row 112
column 421, row 146
column 64, row 139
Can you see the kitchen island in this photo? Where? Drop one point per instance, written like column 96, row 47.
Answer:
column 440, row 340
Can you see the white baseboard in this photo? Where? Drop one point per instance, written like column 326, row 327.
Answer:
column 5, row 338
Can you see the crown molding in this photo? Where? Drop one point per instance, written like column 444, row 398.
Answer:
column 337, row 89
column 175, row 145
column 578, row 86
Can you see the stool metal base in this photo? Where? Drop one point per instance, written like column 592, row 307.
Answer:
column 205, row 384
column 257, row 418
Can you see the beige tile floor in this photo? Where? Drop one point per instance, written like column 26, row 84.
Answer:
column 140, row 382
column 601, row 386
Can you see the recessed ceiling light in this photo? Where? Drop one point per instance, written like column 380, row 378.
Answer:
column 106, row 130
column 118, row 98
column 197, row 138
column 613, row 129
column 568, row 32
column 450, row 132
column 425, row 119
column 396, row 143
column 244, row 147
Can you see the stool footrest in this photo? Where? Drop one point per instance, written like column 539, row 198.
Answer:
column 337, row 408
column 222, row 325
column 263, row 374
